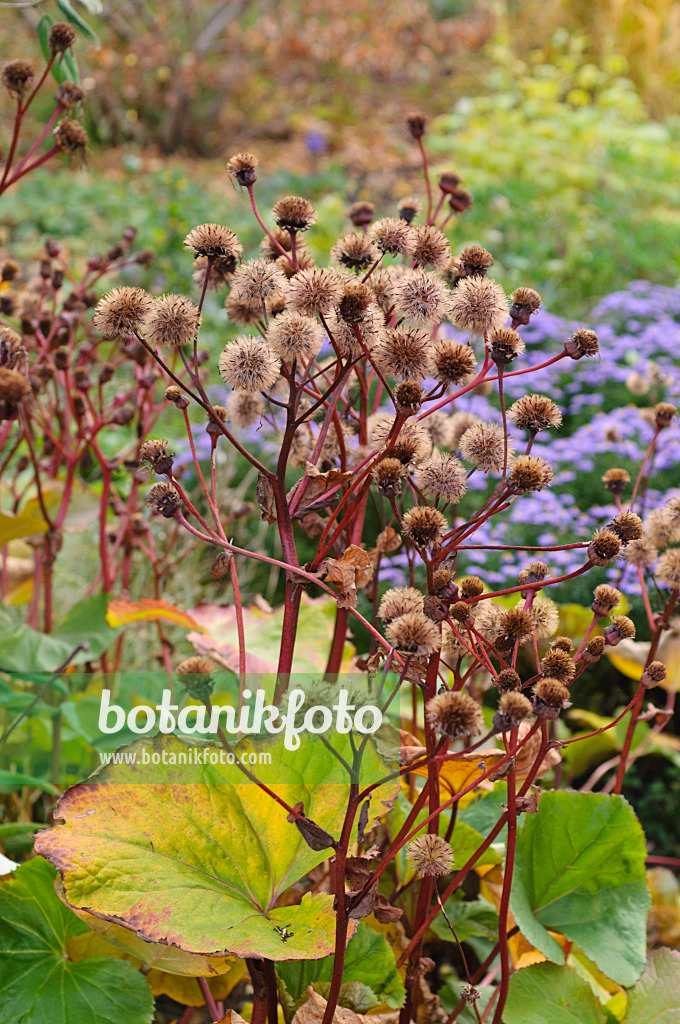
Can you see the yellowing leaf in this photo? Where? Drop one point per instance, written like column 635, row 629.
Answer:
column 121, row 612
column 23, row 525
column 464, row 771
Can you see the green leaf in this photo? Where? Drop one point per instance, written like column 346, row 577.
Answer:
column 476, row 917
column 23, row 649
column 580, row 870
column 93, row 6
column 38, row 981
column 9, row 781
column 19, row 828
column 656, row 997
column 368, row 959
column 196, row 855
column 72, row 15
column 545, row 992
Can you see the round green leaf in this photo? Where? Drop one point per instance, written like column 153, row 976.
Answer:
column 580, row 870
column 656, row 997
column 545, row 992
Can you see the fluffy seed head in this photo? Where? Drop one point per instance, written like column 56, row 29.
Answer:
column 173, row 321
column 484, row 444
column 354, row 251
column 506, row 345
column 471, row 586
column 559, row 665
column 535, row 572
column 398, row 601
column 615, row 480
column 293, row 213
column 393, row 235
column 361, row 213
column 664, row 414
column 408, row 397
column 594, row 650
column 621, row 628
column 241, row 312
column 164, row 499
column 508, row 681
column 452, row 362
column 655, row 673
column 249, row 364
column 422, row 296
column 62, row 36
column 443, row 476
column 668, row 569
column 430, row 247
column 388, row 476
column 17, row 75
column 258, row 281
column 660, row 529
column 513, row 709
column 627, row 526
column 315, row 290
column 213, row 241
column 424, row 526
column 546, row 616
column 70, row 135
column 430, row 855
column 550, row 697
column 122, row 311
column 459, row 422
column 244, row 408
column 355, row 302
column 606, row 598
column 412, row 445
column 604, row 547
column 241, row 168
column 413, row 633
column 454, row 714
column 15, row 389
column 461, row 612
column 525, row 301
column 479, row 304
column 563, row 643
column 515, row 626
column 291, row 334
column 529, row 473
column 475, row 260
column 582, row 343
column 155, row 453
column 409, row 208
column 69, row 95
column 416, row 122
column 404, row 352
column 534, row 413
column 640, row 553
column 441, row 579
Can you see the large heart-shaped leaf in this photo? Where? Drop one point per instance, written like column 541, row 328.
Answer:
column 580, row 870
column 196, row 855
column 546, row 992
column 38, row 980
column 656, row 997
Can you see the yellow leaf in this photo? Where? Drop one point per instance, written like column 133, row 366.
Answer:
column 121, row 611
column 187, row 991
column 464, row 771
column 23, row 525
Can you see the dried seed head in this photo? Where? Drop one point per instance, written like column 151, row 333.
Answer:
column 196, row 665
column 361, row 213
column 615, row 480
column 422, row 296
column 315, row 291
column 460, row 199
column 258, row 281
column 70, row 135
column 470, row 994
column 535, row 572
column 370, row 328
column 606, row 598
column 221, row 566
column 627, row 526
column 563, row 643
column 484, row 444
column 654, row 674
column 416, row 122
column 173, row 321
column 164, row 499
column 516, row 627
column 430, row 247
column 241, row 167
column 414, row 633
column 355, row 251
column 441, row 579
column 270, row 251
column 408, row 398
column 155, row 453
column 15, row 389
column 621, row 628
column 534, row 413
column 640, row 553
column 424, row 526
column 508, row 681
column 435, row 608
column 241, row 312
column 9, row 270
column 449, row 181
column 443, row 476
column 430, row 855
column 475, row 260
column 409, row 208
column 213, row 241
column 604, row 547
column 478, row 304
column 582, row 343
column 293, row 213
column 594, row 650
column 664, row 414
column 399, row 601
column 660, row 529
column 513, row 709
column 559, row 665
column 454, row 714
column 668, row 569
column 17, row 75
column 249, row 364
column 459, row 422
column 393, row 236
column 525, row 301
column 461, row 612
column 122, row 311
column 244, row 408
column 546, row 616
column 291, row 334
column 382, row 283
column 529, row 473
column 550, row 697
column 471, row 586
column 388, row 475
column 404, row 352
column 61, row 37
column 671, row 512
column 413, row 444
column 505, row 346
column 355, row 302
column 452, row 362
column 69, row 95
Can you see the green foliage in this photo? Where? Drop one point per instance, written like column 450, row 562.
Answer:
column 656, row 997
column 39, row 981
column 547, row 992
column 580, row 870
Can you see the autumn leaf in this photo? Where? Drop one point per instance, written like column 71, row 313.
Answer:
column 121, row 612
column 350, row 573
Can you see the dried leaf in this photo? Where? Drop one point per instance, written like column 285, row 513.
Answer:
column 385, row 912
column 350, row 573
column 313, row 1010
column 264, row 492
column 387, row 540
column 312, row 523
column 316, row 837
